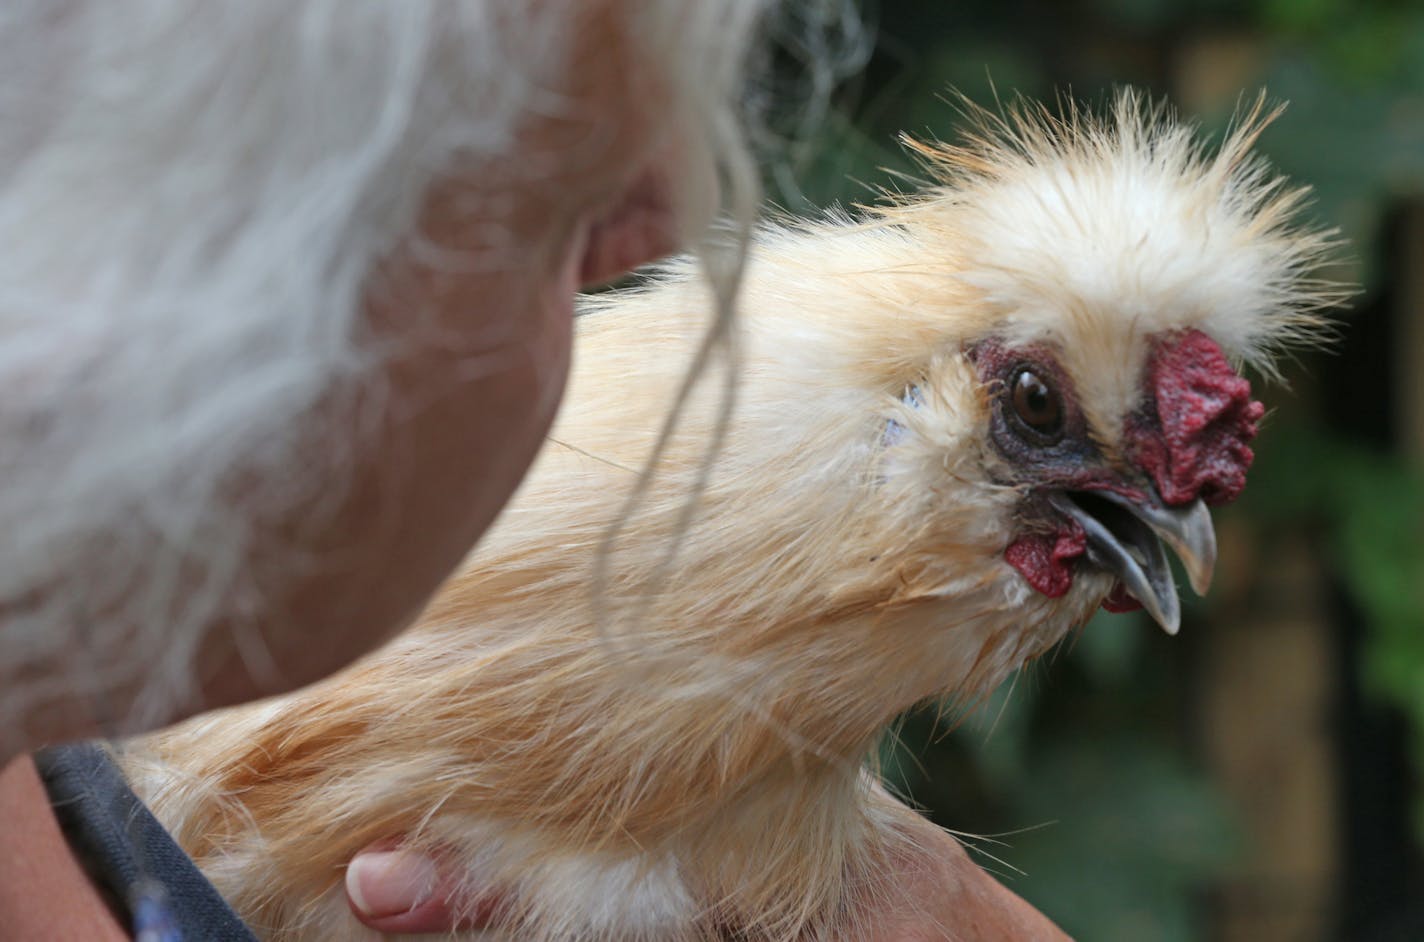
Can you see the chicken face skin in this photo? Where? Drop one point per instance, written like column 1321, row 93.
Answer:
column 1184, row 445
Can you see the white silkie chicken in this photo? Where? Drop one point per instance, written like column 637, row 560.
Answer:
column 965, row 422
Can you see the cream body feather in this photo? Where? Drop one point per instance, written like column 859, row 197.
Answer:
column 675, row 754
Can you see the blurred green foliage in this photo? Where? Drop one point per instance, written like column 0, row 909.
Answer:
column 1091, row 753
column 1370, row 507
column 1352, row 74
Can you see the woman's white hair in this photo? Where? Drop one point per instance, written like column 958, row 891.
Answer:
column 192, row 199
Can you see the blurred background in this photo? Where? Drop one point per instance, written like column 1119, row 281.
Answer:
column 1259, row 776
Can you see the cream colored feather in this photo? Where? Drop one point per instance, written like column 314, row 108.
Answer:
column 669, row 746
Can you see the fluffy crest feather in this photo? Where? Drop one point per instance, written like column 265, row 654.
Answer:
column 1075, row 224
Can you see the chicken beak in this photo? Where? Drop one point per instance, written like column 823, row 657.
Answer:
column 1188, row 531
column 1125, row 537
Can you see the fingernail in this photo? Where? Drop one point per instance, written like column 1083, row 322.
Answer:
column 387, row 883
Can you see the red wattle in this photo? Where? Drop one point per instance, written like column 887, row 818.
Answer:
column 1046, row 559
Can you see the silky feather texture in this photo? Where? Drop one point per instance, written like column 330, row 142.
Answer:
column 684, row 758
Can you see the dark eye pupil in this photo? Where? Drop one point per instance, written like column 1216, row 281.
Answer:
column 1037, row 403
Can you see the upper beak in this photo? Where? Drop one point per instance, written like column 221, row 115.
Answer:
column 1125, row 537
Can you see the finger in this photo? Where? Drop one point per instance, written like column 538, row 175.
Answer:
column 406, row 891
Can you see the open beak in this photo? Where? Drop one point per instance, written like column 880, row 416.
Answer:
column 1126, row 537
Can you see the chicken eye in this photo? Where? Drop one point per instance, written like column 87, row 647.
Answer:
column 1037, row 404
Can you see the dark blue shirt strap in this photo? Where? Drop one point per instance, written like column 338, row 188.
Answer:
column 129, row 854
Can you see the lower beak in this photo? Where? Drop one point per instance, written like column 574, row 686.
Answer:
column 1126, row 537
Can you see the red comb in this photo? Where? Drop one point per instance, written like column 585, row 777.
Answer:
column 1194, row 435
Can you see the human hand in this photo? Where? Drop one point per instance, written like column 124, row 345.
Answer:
column 395, row 890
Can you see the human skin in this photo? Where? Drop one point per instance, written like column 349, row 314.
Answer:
column 477, row 351
column 468, row 393
column 462, row 455
column 44, row 892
